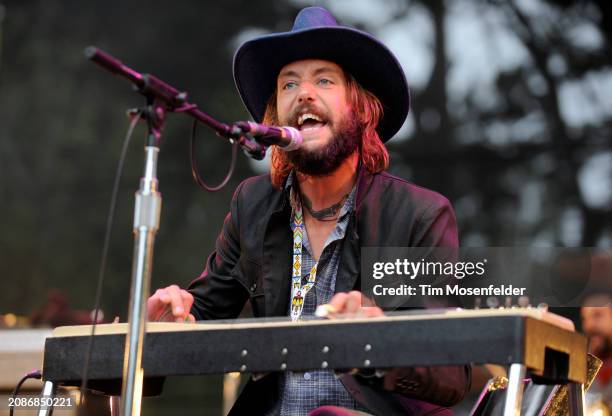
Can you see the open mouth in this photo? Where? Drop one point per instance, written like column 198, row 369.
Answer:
column 310, row 121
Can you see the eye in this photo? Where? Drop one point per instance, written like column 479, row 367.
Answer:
column 289, row 85
column 325, row 81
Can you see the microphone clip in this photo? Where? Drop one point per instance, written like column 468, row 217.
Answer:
column 247, row 142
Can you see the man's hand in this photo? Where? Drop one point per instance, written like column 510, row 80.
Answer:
column 170, row 304
column 349, row 305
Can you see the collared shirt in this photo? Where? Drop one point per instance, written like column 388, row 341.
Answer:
column 302, row 392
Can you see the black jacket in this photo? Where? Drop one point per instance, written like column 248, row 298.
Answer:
column 252, row 262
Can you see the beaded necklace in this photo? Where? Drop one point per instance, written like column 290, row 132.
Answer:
column 299, row 291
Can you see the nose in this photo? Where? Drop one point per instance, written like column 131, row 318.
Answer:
column 306, row 93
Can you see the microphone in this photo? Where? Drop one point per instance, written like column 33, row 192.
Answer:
column 288, row 138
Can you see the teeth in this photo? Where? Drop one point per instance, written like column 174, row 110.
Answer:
column 307, row 116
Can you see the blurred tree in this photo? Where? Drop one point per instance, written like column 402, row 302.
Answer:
column 511, row 152
column 62, row 122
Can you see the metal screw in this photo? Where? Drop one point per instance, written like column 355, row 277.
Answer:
column 284, row 351
column 243, row 368
column 492, row 302
column 244, row 353
column 325, row 349
column 324, row 364
column 366, row 363
column 367, row 348
column 283, row 366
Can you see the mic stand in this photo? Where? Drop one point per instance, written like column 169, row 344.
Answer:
column 146, row 223
column 160, row 97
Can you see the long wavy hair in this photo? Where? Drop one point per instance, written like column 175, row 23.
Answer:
column 373, row 153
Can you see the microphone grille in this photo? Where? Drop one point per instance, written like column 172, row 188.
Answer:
column 296, row 138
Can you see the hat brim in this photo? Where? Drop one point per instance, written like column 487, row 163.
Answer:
column 258, row 62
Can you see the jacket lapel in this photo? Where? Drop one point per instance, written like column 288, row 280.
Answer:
column 349, row 270
column 348, row 274
column 276, row 262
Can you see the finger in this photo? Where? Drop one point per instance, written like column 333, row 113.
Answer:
column 157, row 304
column 366, row 301
column 178, row 310
column 188, row 319
column 372, row 311
column 353, row 302
column 338, row 302
column 187, row 299
column 161, row 295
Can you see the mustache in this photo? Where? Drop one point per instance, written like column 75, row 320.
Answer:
column 295, row 114
column 595, row 333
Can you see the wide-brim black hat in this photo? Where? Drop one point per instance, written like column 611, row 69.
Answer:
column 317, row 35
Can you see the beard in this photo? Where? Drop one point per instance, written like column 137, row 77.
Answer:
column 345, row 139
column 600, row 345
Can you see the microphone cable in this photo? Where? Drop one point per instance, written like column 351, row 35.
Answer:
column 136, row 116
column 36, row 374
column 194, row 167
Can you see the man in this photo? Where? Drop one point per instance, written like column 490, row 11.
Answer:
column 596, row 316
column 346, row 93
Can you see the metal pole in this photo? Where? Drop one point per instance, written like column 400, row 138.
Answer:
column 48, row 392
column 514, row 393
column 146, row 223
column 576, row 399
column 231, row 384
column 114, row 405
